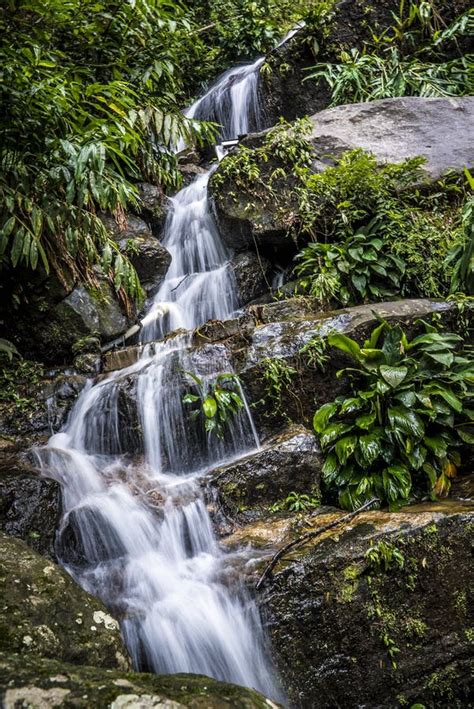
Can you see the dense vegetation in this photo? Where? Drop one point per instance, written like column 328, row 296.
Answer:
column 418, row 55
column 399, row 434
column 373, row 231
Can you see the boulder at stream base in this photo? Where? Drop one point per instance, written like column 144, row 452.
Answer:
column 439, row 129
column 44, row 684
column 30, row 506
column 350, row 630
column 45, row 614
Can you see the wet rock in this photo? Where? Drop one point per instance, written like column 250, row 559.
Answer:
column 284, row 328
column 135, row 239
column 83, row 313
column 30, row 505
column 248, row 487
column 88, row 364
column 78, row 528
column 153, row 203
column 41, row 683
column 60, row 394
column 438, row 129
column 46, row 615
column 349, row 632
column 252, row 275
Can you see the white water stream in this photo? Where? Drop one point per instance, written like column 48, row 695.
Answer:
column 136, row 531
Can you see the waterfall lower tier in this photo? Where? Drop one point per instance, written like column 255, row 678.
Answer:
column 141, row 535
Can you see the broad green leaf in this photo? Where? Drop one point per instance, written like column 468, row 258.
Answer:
column 393, row 375
column 345, row 447
column 322, row 416
column 371, row 343
column 345, row 344
column 445, row 358
column 437, row 445
column 209, row 406
column 466, row 434
column 366, row 420
column 448, row 396
column 332, row 432
column 330, row 467
column 370, row 445
column 405, row 420
column 190, row 398
column 352, row 404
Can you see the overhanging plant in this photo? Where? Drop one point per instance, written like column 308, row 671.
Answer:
column 399, row 435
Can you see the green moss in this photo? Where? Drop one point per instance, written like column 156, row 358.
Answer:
column 415, row 628
column 440, row 684
column 460, row 602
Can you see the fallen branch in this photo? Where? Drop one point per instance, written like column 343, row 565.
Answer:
column 301, row 540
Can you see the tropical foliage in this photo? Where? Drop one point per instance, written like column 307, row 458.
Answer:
column 89, row 106
column 359, row 269
column 407, row 59
column 400, row 432
column 216, row 402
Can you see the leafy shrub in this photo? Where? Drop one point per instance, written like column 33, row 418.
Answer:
column 363, row 77
column 407, row 59
column 399, row 433
column 277, row 377
column 461, row 255
column 217, row 402
column 88, row 108
column 359, row 269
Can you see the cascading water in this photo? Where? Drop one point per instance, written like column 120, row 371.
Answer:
column 130, row 458
column 232, row 101
column 199, row 285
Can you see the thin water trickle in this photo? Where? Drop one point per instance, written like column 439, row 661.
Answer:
column 130, row 457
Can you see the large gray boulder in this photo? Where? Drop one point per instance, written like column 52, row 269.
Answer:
column 439, row 129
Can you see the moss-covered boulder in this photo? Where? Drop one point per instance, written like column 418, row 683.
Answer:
column 246, row 488
column 41, row 683
column 377, row 612
column 45, row 614
column 136, row 240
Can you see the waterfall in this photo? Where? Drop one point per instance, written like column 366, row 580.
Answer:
column 136, row 531
column 199, row 285
column 232, row 101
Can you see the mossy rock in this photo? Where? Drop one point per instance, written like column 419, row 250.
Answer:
column 41, row 683
column 45, row 614
column 350, row 632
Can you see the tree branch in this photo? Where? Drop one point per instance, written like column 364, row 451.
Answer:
column 301, row 540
